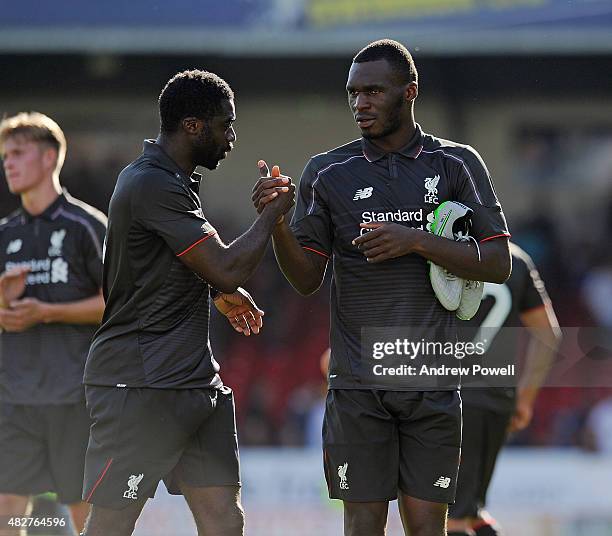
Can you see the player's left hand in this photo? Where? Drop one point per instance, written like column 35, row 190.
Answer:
column 385, row 241
column 241, row 311
column 521, row 418
column 22, row 314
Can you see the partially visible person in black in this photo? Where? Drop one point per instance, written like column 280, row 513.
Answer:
column 489, row 413
column 50, row 303
column 159, row 407
column 365, row 205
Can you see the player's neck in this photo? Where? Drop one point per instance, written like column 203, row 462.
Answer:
column 38, row 199
column 177, row 151
column 396, row 140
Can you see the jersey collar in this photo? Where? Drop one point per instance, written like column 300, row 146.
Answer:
column 47, row 214
column 411, row 150
column 160, row 158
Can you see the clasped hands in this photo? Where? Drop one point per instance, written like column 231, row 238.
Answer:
column 17, row 315
column 273, row 189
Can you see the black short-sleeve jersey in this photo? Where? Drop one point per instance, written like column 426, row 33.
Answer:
column 358, row 183
column 155, row 327
column 502, row 306
column 62, row 247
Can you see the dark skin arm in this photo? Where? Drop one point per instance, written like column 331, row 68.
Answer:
column 226, row 267
column 303, row 269
column 390, row 240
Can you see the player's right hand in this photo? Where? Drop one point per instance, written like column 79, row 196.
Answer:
column 523, row 413
column 12, row 285
column 273, row 186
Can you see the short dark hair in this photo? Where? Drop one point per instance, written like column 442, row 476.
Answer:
column 395, row 53
column 192, row 93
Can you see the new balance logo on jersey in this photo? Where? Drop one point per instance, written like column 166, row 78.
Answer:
column 132, row 491
column 364, row 193
column 342, row 474
column 443, row 482
column 431, row 185
column 57, row 240
column 14, row 246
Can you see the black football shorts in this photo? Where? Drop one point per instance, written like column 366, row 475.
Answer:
column 378, row 442
column 484, row 433
column 42, row 448
column 141, row 436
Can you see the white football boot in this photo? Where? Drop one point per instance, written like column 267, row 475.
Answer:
column 471, row 298
column 450, row 220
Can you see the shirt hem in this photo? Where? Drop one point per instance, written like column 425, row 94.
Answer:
column 216, row 383
column 365, row 387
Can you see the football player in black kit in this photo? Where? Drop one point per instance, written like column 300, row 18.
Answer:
column 50, row 303
column 489, row 413
column 159, row 407
column 381, row 441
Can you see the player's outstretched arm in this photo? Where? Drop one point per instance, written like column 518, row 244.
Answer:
column 226, row 267
column 389, row 240
column 304, row 270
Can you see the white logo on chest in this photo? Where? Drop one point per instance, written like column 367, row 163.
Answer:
column 14, row 246
column 57, row 240
column 431, row 185
column 364, row 193
column 59, row 271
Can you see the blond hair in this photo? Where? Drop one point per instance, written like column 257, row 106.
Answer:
column 36, row 127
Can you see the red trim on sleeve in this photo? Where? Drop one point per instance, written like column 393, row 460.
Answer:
column 317, row 252
column 484, row 523
column 196, row 243
column 104, row 471
column 507, row 235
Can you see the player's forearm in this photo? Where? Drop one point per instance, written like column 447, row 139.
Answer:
column 243, row 255
column 461, row 258
column 87, row 311
column 541, row 351
column 297, row 266
column 539, row 360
